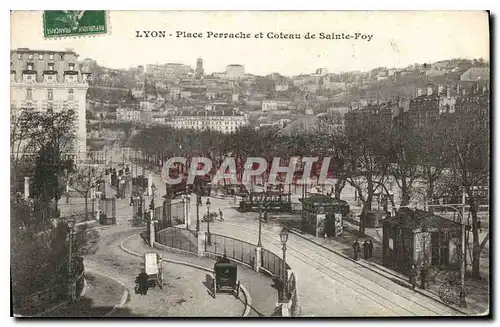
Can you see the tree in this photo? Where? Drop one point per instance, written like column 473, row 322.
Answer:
column 435, row 156
column 39, row 251
column 367, row 161
column 469, row 145
column 41, row 134
column 406, row 148
column 83, row 180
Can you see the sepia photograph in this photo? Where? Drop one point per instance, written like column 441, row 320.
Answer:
column 250, row 164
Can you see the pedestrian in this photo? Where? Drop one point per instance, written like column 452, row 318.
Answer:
column 355, row 247
column 142, row 282
column 220, row 215
column 413, row 276
column 365, row 249
column 423, row 275
column 370, row 249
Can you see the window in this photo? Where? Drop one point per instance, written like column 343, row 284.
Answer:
column 71, row 94
column 51, row 66
column 71, row 66
column 40, row 57
column 19, row 56
column 51, row 56
column 50, row 94
column 30, row 66
column 29, row 94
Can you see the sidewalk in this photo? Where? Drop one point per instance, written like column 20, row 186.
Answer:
column 263, row 296
column 477, row 299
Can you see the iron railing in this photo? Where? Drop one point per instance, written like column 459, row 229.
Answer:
column 178, row 238
column 232, row 248
column 169, row 215
column 273, row 263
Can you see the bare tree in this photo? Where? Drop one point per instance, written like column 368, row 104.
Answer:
column 470, row 151
column 406, row 154
column 367, row 161
column 83, row 180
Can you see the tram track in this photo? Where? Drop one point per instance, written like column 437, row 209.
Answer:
column 317, row 259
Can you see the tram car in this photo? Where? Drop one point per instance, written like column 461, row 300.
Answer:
column 270, row 201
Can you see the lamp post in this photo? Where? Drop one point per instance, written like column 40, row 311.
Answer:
column 198, row 204
column 209, row 239
column 259, row 243
column 71, row 284
column 153, row 190
column 284, row 239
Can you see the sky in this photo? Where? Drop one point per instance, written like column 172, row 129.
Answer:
column 398, row 38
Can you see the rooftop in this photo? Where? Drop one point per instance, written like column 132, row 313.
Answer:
column 28, row 50
column 321, row 199
column 414, row 219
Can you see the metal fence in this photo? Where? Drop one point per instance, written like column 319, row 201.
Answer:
column 232, row 248
column 272, row 263
column 170, row 214
column 178, row 238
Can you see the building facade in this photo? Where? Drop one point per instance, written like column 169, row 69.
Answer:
column 50, row 80
column 199, row 72
column 221, row 121
column 170, row 71
column 235, row 71
column 269, row 105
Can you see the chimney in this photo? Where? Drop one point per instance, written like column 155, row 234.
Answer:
column 429, row 90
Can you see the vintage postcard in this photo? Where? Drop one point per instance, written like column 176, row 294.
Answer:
column 250, row 164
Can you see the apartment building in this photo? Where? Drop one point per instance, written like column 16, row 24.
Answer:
column 50, row 80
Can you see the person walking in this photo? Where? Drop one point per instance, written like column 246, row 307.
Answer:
column 423, row 275
column 220, row 215
column 413, row 276
column 370, row 249
column 355, row 247
column 142, row 282
column 365, row 249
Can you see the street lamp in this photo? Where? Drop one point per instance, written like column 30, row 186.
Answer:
column 209, row 240
column 71, row 284
column 153, row 190
column 259, row 243
column 284, row 238
column 198, row 204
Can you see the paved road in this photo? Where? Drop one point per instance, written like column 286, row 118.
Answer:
column 184, row 294
column 328, row 284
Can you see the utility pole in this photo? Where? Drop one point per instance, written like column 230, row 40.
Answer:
column 462, row 263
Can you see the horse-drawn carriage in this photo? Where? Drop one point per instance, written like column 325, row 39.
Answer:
column 226, row 277
column 153, row 268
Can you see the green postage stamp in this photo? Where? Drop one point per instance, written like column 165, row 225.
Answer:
column 63, row 23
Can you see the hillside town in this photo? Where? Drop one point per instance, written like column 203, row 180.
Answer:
column 183, row 97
